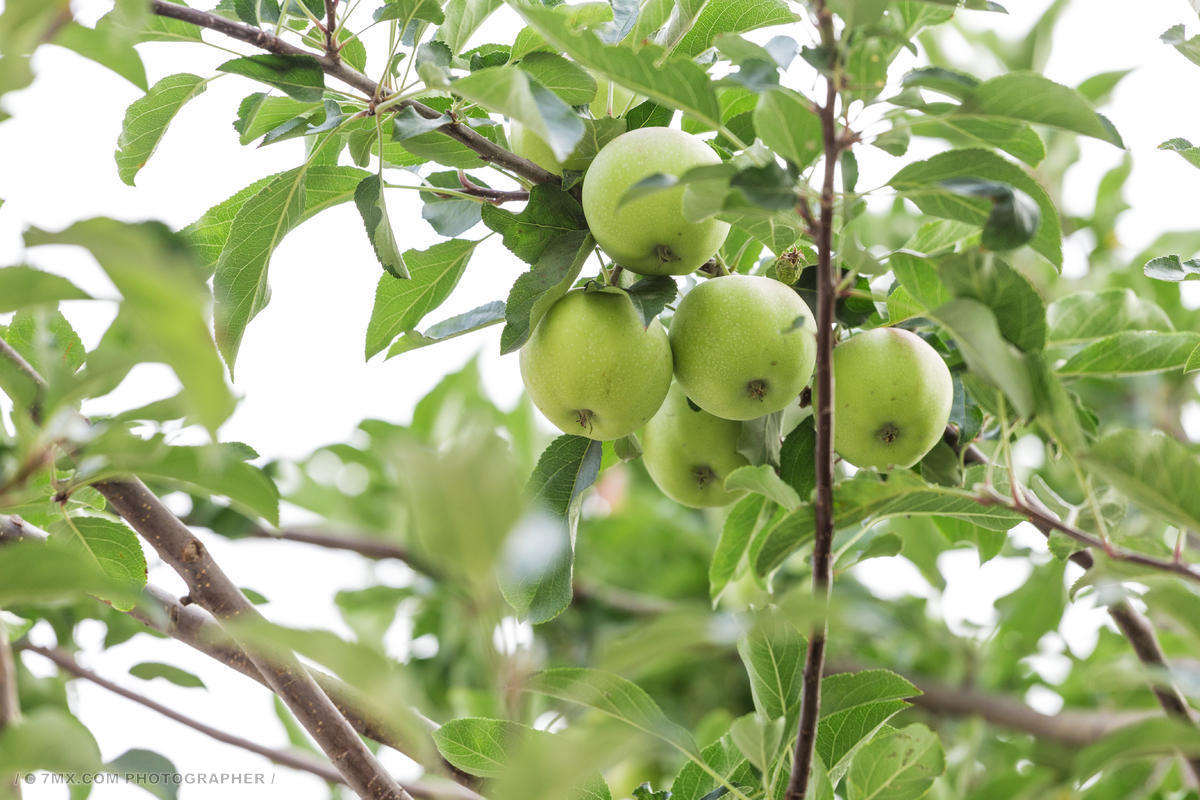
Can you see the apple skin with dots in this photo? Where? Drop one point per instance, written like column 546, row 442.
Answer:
column 689, row 453
column 892, row 395
column 743, row 345
column 649, row 235
column 593, row 369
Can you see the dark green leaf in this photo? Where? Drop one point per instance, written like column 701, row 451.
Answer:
column 458, row 325
column 299, row 77
column 368, row 197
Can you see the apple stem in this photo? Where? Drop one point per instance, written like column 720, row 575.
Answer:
column 822, row 562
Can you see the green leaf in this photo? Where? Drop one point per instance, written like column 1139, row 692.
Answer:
column 1154, row 471
column 917, row 180
column 896, row 765
column 480, row 746
column 1133, row 353
column 797, row 460
column 549, row 214
column 539, row 555
column 1157, row 736
column 853, row 706
column 165, row 302
column 1014, row 217
column 463, row 18
column 1189, row 151
column 1015, row 138
column 299, row 77
column 1019, row 309
column 1193, row 362
column 22, row 287
column 408, row 10
column 510, row 91
column 724, row 759
column 673, row 82
column 105, row 45
column 469, row 321
column 571, row 82
column 1031, row 97
column 1171, row 268
column 786, row 123
column 763, row 480
column 47, row 739
column 149, row 670
column 867, row 499
column 974, row 328
column 112, row 545
column 731, row 16
column 401, row 304
column 148, row 770
column 613, row 695
column 258, row 226
column 368, row 197
column 261, row 113
column 1177, row 38
column 745, row 520
column 147, row 118
column 650, row 295
column 46, row 573
column 773, row 654
column 1087, row 316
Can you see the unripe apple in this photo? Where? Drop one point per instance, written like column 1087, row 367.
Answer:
column 528, row 144
column 592, row 367
column 649, row 235
column 892, row 394
column 744, row 345
column 689, row 452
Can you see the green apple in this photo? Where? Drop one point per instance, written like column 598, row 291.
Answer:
column 892, row 394
column 528, row 144
column 592, row 367
column 744, row 345
column 689, row 452
column 612, row 99
column 649, row 235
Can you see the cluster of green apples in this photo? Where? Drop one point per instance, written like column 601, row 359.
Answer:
column 739, row 346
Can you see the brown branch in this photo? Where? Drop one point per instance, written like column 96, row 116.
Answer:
column 211, row 588
column 331, row 45
column 822, row 560
column 333, row 66
column 1138, row 631
column 496, row 196
column 1133, row 626
column 66, row 662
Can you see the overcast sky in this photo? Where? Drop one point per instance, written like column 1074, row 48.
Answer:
column 301, row 374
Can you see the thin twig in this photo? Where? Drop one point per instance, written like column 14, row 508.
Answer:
column 822, row 561
column 65, row 661
column 25, row 368
column 495, row 196
column 331, row 45
column 485, row 148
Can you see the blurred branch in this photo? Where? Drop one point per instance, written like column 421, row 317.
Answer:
column 10, row 703
column 161, row 611
column 333, row 66
column 822, row 560
column 9, row 354
column 1135, row 627
column 66, row 662
column 1070, row 727
column 209, row 586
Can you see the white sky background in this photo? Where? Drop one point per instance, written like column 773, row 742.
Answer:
column 301, row 374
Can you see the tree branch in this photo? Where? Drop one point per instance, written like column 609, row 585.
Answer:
column 1135, row 627
column 331, row 45
column 25, row 368
column 333, row 66
column 211, row 587
column 66, row 662
column 822, row 561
